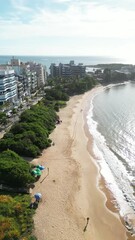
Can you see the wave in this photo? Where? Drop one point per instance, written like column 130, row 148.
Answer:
column 114, row 166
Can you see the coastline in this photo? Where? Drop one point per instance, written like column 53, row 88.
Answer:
column 71, row 192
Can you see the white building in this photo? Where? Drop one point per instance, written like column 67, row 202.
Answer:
column 8, row 85
column 22, row 70
column 40, row 71
column 31, row 67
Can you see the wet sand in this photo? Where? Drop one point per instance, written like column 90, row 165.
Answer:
column 74, row 202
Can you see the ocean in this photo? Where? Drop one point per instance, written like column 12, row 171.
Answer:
column 47, row 60
column 111, row 121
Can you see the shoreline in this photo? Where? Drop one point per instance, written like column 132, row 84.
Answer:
column 111, row 201
column 72, row 191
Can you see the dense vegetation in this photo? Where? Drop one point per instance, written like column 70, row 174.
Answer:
column 71, row 86
column 14, row 170
column 113, row 76
column 3, row 118
column 30, row 135
column 115, row 72
column 56, row 94
column 16, row 221
column 113, row 66
column 28, row 138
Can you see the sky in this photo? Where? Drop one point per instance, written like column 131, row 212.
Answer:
column 68, row 28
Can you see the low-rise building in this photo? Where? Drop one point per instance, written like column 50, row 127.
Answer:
column 67, row 70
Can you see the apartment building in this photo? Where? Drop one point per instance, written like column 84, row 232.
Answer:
column 8, row 85
column 20, row 91
column 34, row 83
column 22, row 71
column 54, row 70
column 67, row 70
column 40, row 72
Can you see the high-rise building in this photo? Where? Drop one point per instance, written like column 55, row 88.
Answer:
column 40, row 72
column 20, row 91
column 8, row 85
column 22, row 71
column 33, row 81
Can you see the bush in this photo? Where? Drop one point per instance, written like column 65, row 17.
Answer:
column 31, row 135
column 14, row 170
column 17, row 222
column 56, row 94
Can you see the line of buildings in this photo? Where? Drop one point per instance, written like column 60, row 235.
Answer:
column 19, row 80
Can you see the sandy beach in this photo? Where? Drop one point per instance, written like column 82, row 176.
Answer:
column 73, row 204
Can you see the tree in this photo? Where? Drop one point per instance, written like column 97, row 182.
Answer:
column 14, row 170
column 107, row 75
column 3, row 118
column 31, row 135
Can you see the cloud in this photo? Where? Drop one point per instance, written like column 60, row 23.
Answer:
column 85, row 20
column 115, row 3
column 119, row 4
column 82, row 19
column 28, row 24
column 62, row 1
column 20, row 5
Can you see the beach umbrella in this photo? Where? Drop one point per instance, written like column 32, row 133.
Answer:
column 38, row 196
column 38, row 170
column 38, row 173
column 34, row 172
column 40, row 167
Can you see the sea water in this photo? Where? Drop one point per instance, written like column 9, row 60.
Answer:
column 111, row 121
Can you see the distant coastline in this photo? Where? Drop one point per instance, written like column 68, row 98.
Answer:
column 47, row 60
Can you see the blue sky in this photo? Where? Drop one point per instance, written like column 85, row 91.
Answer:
column 68, row 27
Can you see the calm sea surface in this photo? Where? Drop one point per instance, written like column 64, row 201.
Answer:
column 111, row 121
column 47, row 60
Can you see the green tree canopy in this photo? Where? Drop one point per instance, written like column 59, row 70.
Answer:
column 14, row 170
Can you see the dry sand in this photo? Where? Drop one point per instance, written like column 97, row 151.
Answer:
column 71, row 191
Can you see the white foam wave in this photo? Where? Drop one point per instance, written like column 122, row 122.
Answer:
column 116, row 176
